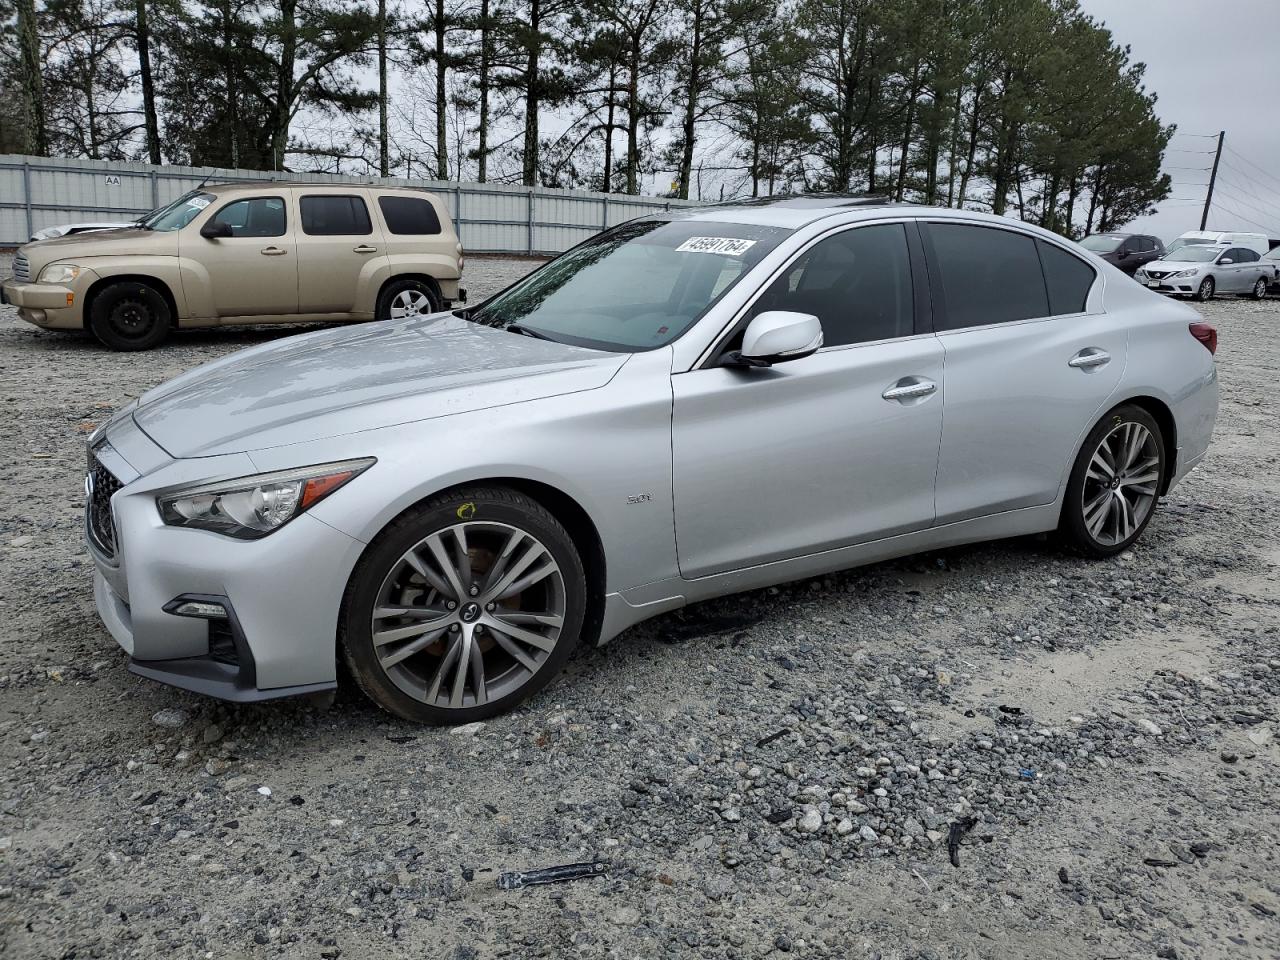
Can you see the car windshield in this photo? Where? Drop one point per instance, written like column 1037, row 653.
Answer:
column 1197, row 253
column 1189, row 241
column 1101, row 243
column 179, row 213
column 1272, row 254
column 636, row 287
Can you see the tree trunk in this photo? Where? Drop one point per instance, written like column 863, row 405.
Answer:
column 533, row 86
column 142, row 35
column 229, row 78
column 975, row 127
column 384, row 152
column 442, row 95
column 1073, row 193
column 633, row 119
column 955, row 144
column 486, row 55
column 33, row 120
column 284, row 81
column 691, row 102
column 912, row 92
column 608, row 129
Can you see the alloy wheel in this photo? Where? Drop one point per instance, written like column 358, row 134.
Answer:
column 1260, row 289
column 1121, row 484
column 410, row 303
column 468, row 614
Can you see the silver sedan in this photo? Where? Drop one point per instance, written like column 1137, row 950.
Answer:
column 681, row 407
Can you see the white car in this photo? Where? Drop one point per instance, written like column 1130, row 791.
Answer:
column 67, row 229
column 1256, row 242
column 1200, row 272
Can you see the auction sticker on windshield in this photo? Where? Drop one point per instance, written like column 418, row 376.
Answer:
column 726, row 246
column 198, row 202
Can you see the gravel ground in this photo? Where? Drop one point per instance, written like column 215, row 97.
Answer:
column 769, row 774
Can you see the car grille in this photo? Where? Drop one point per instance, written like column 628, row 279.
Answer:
column 102, row 485
column 1158, row 274
column 21, row 268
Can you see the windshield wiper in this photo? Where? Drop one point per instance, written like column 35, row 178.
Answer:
column 528, row 332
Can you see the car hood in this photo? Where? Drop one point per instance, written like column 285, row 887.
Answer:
column 1177, row 264
column 356, row 378
column 126, row 242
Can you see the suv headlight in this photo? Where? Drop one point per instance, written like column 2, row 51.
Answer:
column 59, row 273
column 252, row 507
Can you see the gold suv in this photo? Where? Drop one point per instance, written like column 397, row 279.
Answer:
column 246, row 253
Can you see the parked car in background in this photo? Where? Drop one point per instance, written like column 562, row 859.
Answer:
column 246, row 253
column 1201, row 272
column 67, row 229
column 1124, row 251
column 681, row 407
column 1272, row 260
column 1257, row 242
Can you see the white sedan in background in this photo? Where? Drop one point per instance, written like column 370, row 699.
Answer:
column 1201, row 272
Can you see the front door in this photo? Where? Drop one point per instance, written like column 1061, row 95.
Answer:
column 339, row 251
column 253, row 272
column 837, row 448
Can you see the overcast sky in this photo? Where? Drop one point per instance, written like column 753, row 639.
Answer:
column 1215, row 65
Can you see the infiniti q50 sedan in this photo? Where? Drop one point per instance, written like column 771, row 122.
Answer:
column 681, row 407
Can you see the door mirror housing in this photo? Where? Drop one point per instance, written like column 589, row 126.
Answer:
column 1223, row 261
column 216, row 229
column 775, row 337
column 1122, row 253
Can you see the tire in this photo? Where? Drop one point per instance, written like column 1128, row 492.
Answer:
column 1122, row 462
column 1205, row 291
column 130, row 316
column 401, row 299
column 413, row 671
column 1259, row 291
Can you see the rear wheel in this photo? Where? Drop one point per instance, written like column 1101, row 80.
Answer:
column 1205, row 291
column 464, row 607
column 1115, row 483
column 406, row 298
column 1259, row 291
column 130, row 316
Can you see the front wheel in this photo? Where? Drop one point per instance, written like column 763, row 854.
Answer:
column 1115, row 483
column 130, row 316
column 406, row 298
column 463, row 607
column 1259, row 291
column 1205, row 291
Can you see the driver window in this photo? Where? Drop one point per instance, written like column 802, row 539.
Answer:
column 858, row 283
column 259, row 217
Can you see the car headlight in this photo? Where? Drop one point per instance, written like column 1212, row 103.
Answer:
column 252, row 507
column 59, row 273
column 1186, row 273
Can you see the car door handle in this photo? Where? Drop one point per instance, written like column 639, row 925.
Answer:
column 365, row 248
column 910, row 388
column 273, row 251
column 1088, row 358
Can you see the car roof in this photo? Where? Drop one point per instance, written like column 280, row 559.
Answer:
column 340, row 186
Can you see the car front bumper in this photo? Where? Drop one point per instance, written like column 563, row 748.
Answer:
column 282, row 594
column 50, row 305
column 1182, row 286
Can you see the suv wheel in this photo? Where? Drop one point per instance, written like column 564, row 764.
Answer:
column 130, row 316
column 1115, row 483
column 463, row 607
column 406, row 298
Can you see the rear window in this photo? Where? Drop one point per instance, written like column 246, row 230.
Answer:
column 409, row 215
column 1067, row 278
column 988, row 275
column 325, row 215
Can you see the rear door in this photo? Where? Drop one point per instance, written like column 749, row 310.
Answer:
column 254, row 272
column 810, row 454
column 1236, row 276
column 340, row 249
column 1028, row 368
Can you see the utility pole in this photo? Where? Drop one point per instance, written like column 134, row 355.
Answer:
column 1208, row 199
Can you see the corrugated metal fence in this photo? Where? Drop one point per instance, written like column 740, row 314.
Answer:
column 37, row 192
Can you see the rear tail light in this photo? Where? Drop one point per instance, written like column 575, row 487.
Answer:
column 1207, row 334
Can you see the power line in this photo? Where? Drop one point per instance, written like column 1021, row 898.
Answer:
column 1255, row 203
column 1270, row 176
column 1240, row 216
column 1248, row 185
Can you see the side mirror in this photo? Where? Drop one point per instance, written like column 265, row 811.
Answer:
column 776, row 336
column 1225, row 260
column 1122, row 254
column 216, row 229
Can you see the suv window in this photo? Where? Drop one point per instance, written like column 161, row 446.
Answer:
column 326, row 215
column 1067, row 277
column 858, row 283
column 988, row 275
column 409, row 215
column 1146, row 244
column 256, row 217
